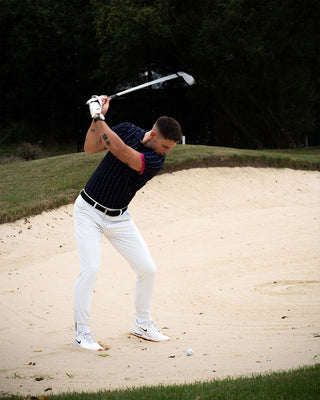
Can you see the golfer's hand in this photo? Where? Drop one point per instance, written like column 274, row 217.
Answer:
column 105, row 104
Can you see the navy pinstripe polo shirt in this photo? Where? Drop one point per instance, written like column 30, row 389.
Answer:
column 114, row 184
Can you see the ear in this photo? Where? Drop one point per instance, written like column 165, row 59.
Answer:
column 153, row 133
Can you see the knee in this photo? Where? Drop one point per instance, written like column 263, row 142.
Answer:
column 89, row 273
column 147, row 269
column 152, row 270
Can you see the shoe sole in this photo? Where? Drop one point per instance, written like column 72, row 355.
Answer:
column 139, row 335
column 76, row 344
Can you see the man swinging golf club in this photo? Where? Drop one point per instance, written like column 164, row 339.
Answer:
column 135, row 156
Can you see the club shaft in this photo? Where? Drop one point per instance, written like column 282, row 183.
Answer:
column 160, row 80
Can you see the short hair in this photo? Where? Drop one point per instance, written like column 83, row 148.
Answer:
column 169, row 128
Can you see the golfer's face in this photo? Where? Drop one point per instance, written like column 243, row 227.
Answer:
column 164, row 146
column 161, row 145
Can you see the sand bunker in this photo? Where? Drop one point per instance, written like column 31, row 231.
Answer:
column 238, row 257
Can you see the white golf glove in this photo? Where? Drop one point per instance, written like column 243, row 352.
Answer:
column 95, row 105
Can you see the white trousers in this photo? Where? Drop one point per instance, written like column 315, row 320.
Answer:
column 89, row 226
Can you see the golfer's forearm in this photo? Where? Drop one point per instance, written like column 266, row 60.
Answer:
column 93, row 142
column 101, row 137
column 108, row 138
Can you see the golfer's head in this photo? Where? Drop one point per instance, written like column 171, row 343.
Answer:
column 168, row 128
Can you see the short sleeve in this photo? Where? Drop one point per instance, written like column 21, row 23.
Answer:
column 143, row 164
column 153, row 162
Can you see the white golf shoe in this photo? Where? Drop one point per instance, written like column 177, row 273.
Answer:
column 87, row 341
column 148, row 331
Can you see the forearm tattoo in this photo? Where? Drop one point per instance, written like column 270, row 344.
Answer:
column 105, row 138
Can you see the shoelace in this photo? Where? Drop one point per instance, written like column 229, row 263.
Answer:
column 88, row 336
column 151, row 327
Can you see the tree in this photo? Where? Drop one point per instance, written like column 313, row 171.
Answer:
column 37, row 65
column 133, row 36
column 256, row 65
column 260, row 59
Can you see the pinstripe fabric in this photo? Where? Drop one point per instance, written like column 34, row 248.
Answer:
column 114, row 184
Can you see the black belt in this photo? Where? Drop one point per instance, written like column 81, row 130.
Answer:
column 111, row 213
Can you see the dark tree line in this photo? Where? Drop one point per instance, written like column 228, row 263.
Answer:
column 256, row 63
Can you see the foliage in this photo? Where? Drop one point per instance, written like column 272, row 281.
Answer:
column 256, row 64
column 255, row 57
column 38, row 64
column 134, row 37
column 29, row 151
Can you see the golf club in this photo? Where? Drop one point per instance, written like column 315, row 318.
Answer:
column 187, row 78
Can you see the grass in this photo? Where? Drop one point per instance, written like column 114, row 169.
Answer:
column 299, row 384
column 194, row 155
column 30, row 187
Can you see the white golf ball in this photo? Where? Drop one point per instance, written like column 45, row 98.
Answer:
column 189, row 352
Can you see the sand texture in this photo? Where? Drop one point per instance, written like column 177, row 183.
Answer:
column 238, row 258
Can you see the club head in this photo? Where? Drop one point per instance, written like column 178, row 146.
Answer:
column 188, row 78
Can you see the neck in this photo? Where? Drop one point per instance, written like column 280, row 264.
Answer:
column 147, row 138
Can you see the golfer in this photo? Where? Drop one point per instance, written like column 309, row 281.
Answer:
column 135, row 156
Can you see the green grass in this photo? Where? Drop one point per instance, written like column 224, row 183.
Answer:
column 34, row 186
column 194, row 155
column 299, row 384
column 30, row 187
